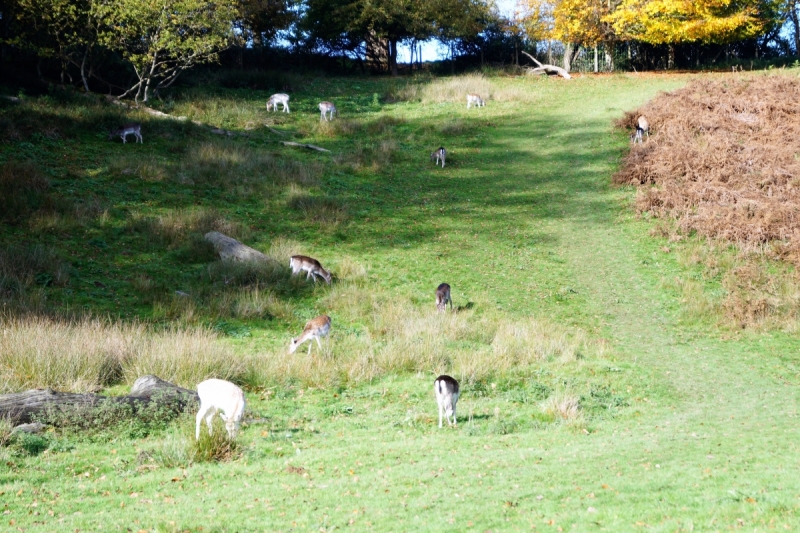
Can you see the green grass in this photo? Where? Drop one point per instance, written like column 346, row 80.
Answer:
column 682, row 426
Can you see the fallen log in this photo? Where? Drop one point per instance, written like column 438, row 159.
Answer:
column 229, row 249
column 309, row 146
column 23, row 407
column 549, row 69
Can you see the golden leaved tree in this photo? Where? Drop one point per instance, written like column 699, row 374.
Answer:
column 670, row 22
column 698, row 21
column 573, row 22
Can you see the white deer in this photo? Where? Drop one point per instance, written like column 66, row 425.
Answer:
column 443, row 297
column 445, row 388
column 300, row 263
column 275, row 99
column 128, row 129
column 439, row 155
column 327, row 107
column 315, row 328
column 474, row 99
column 642, row 127
column 223, row 397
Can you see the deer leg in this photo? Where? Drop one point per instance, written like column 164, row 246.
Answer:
column 200, row 415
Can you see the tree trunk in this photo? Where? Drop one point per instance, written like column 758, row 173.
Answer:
column 567, row 56
column 796, row 24
column 393, row 56
column 671, row 57
column 22, row 407
column 83, row 70
column 230, row 249
column 595, row 59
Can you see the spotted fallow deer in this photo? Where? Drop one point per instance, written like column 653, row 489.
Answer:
column 445, row 388
column 443, row 297
column 133, row 128
column 327, row 108
column 315, row 328
column 439, row 155
column 313, row 268
column 474, row 100
column 276, row 99
column 642, row 127
column 223, row 397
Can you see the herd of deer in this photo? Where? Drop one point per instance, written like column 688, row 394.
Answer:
column 225, row 398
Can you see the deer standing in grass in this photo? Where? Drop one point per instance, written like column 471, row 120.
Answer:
column 642, row 127
column 315, row 328
column 300, row 263
column 445, row 388
column 128, row 129
column 327, row 108
column 443, row 297
column 474, row 99
column 276, row 99
column 223, row 397
column 439, row 155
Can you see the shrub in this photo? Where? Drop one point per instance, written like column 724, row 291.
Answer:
column 23, row 190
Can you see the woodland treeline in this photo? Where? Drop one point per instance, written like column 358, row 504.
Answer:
column 135, row 48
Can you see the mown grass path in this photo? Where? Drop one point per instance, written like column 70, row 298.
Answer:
column 718, row 449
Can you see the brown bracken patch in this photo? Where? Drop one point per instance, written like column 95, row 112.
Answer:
column 723, row 160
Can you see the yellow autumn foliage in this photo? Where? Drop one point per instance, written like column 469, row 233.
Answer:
column 684, row 21
column 653, row 21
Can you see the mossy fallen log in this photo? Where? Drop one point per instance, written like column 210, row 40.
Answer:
column 26, row 407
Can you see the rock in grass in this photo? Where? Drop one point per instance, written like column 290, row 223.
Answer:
column 35, row 427
column 229, row 249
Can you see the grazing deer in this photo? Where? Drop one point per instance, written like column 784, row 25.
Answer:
column 439, row 155
column 315, row 328
column 223, row 397
column 128, row 129
column 443, row 297
column 276, row 99
column 445, row 389
column 327, row 107
column 642, row 127
column 474, row 99
column 300, row 263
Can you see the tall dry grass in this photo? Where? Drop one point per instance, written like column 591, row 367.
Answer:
column 454, row 89
column 374, row 335
column 88, row 354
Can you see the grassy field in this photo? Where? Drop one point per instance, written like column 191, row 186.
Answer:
column 563, row 298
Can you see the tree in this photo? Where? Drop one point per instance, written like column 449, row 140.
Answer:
column 390, row 22
column 61, row 29
column 700, row 21
column 262, row 19
column 163, row 38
